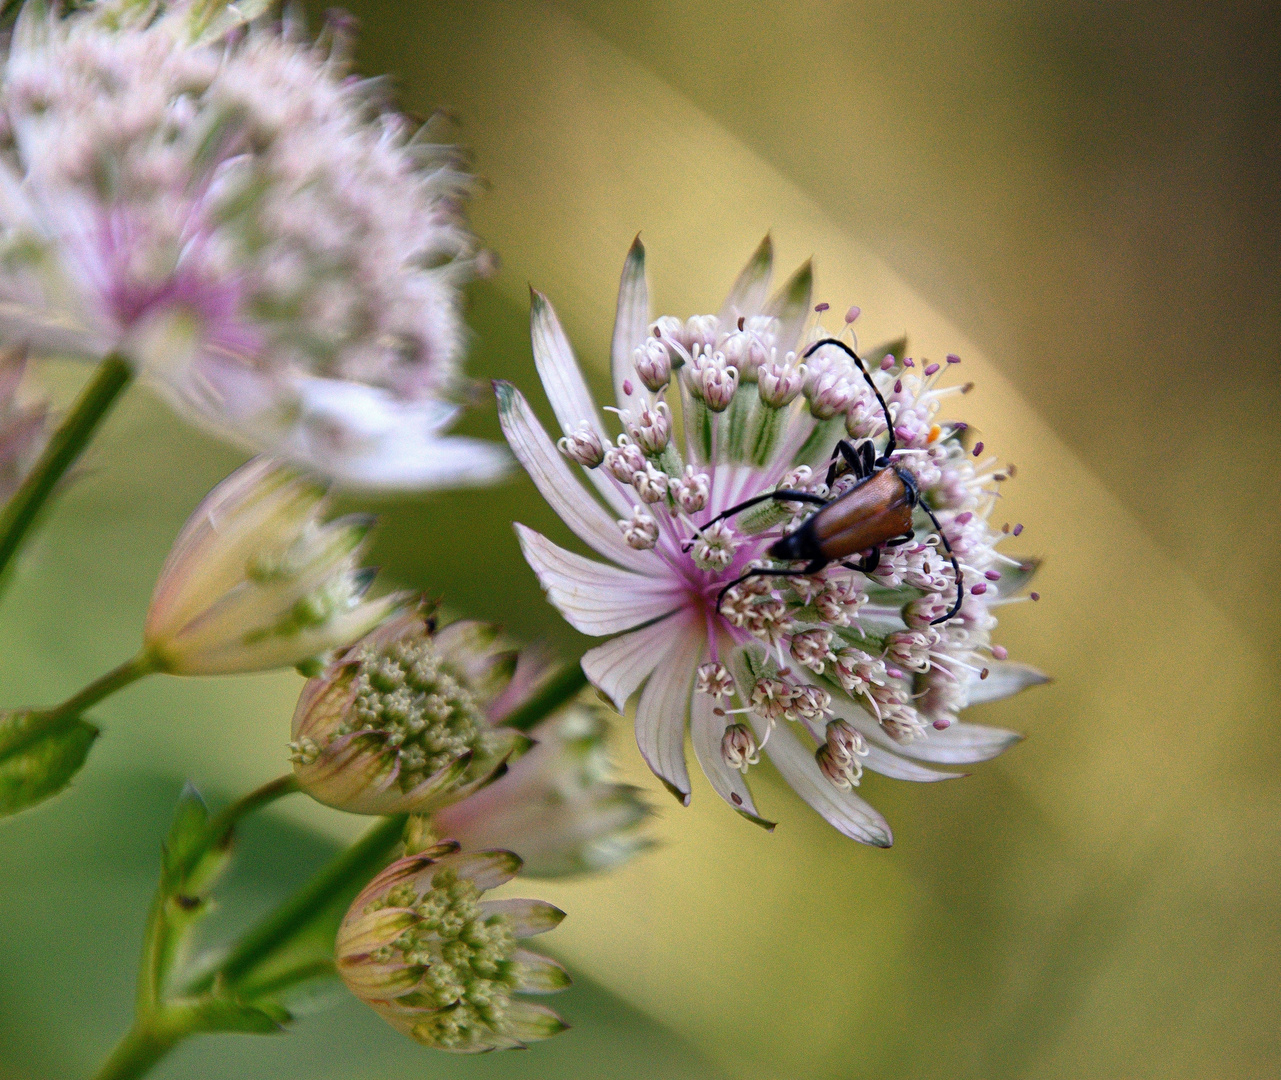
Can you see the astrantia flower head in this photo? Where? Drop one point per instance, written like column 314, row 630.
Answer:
column 827, row 667
column 440, row 964
column 399, row 723
column 217, row 200
column 256, row 580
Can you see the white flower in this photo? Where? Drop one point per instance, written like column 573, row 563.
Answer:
column 223, row 204
column 800, row 652
column 255, row 581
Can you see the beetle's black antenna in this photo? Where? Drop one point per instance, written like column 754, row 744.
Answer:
column 890, row 446
column 782, row 495
column 960, row 585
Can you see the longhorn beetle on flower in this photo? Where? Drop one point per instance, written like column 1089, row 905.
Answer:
column 875, row 513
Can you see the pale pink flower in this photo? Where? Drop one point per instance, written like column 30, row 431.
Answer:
column 785, row 655
column 220, row 201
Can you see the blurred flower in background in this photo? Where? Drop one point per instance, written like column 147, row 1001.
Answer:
column 440, row 964
column 217, row 199
column 23, row 423
column 832, row 670
column 254, row 581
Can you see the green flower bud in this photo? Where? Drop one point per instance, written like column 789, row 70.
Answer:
column 397, row 723
column 440, row 964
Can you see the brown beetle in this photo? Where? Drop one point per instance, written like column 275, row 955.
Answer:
column 874, row 514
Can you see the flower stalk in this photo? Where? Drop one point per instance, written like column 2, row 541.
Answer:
column 64, row 447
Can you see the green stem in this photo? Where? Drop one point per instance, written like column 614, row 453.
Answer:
column 137, row 1052
column 560, row 689
column 43, row 722
column 117, row 679
column 65, row 445
column 221, row 824
column 360, row 860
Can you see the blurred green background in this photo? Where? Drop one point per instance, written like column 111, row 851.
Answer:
column 1082, row 200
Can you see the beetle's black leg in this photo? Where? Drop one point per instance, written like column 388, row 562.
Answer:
column 867, row 451
column 899, row 541
column 960, row 584
column 854, row 458
column 891, row 444
column 866, row 564
column 767, row 571
column 783, row 496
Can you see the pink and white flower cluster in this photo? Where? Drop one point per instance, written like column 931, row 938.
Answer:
column 827, row 673
column 221, row 202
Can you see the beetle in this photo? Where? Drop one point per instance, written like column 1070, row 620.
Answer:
column 874, row 514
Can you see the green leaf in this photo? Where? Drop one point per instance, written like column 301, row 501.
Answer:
column 227, row 1014
column 38, row 757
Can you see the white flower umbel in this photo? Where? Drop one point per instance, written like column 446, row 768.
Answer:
column 256, row 581
column 440, row 964
column 773, row 665
column 222, row 203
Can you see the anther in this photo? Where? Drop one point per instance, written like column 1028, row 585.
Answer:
column 887, row 362
column 978, row 449
column 993, row 575
column 1018, row 529
column 627, row 387
column 983, row 674
column 853, row 314
column 952, row 358
column 930, row 369
column 741, row 322
column 820, row 308
column 1034, row 596
column 1000, row 652
column 979, row 589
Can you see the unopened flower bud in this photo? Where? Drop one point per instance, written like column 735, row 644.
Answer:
column 830, row 394
column 640, row 531
column 652, row 428
column 653, row 364
column 650, row 484
column 845, row 740
column 746, row 352
column 702, row 330
column 393, row 727
column 738, row 748
column 439, row 964
column 812, row 648
column 624, row 461
column 844, row 772
column 714, row 547
column 813, row 703
column 773, row 699
column 583, row 445
column 715, row 679
column 839, row 601
column 779, row 383
column 255, row 581
column 717, row 383
column 902, row 724
column 691, row 490
column 856, row 670
column 910, row 649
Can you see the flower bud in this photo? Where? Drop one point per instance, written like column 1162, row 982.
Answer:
column 715, row 679
column 652, row 428
column 844, row 772
column 583, row 446
column 717, row 383
column 691, row 490
column 779, row 383
column 830, row 394
column 813, row 648
column 640, row 531
column 439, row 964
column 650, row 484
column 846, row 742
column 747, row 353
column 397, row 725
column 714, row 547
column 702, row 330
column 624, row 461
column 738, row 748
column 653, row 364
column 255, row 582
